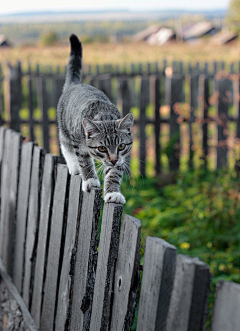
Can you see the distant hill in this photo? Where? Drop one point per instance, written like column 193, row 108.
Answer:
column 46, row 16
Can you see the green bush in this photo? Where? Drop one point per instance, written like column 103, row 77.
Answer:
column 49, row 38
column 198, row 212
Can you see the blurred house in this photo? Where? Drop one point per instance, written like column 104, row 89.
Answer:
column 197, row 30
column 223, row 37
column 3, row 41
column 162, row 36
column 146, row 33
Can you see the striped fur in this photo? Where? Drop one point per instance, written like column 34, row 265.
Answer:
column 90, row 127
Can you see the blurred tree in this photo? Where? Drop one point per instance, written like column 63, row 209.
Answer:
column 233, row 15
column 49, row 38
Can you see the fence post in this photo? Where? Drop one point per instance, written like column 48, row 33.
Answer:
column 14, row 95
column 194, row 90
column 226, row 307
column 157, row 279
column 174, row 96
column 1, row 96
column 224, row 88
column 157, row 126
column 107, row 254
column 144, row 100
column 187, row 309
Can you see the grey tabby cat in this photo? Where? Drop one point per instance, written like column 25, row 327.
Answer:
column 90, row 126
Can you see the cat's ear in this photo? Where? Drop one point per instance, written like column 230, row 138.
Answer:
column 126, row 123
column 90, row 128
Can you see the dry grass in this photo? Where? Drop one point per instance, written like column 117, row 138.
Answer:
column 122, row 53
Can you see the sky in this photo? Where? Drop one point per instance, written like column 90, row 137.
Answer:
column 15, row 6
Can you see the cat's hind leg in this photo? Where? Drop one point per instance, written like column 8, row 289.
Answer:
column 71, row 159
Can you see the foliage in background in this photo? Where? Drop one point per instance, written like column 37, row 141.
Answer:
column 49, row 38
column 198, row 212
column 233, row 15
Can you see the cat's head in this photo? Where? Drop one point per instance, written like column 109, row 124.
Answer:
column 109, row 141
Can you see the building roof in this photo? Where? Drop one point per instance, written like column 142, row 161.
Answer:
column 146, row 33
column 198, row 30
column 223, row 38
column 161, row 37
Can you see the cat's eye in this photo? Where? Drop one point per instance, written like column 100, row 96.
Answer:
column 121, row 147
column 102, row 149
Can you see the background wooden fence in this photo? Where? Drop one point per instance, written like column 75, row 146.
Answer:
column 69, row 280
column 185, row 116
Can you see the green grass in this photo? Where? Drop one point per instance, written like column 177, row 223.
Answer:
column 198, row 212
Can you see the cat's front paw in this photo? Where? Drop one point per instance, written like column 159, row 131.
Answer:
column 74, row 169
column 89, row 183
column 115, row 197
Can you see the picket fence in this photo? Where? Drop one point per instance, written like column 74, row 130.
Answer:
column 71, row 280
column 184, row 116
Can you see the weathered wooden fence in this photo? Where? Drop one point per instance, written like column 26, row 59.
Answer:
column 185, row 116
column 71, row 280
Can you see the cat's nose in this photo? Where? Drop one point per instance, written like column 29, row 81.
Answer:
column 113, row 161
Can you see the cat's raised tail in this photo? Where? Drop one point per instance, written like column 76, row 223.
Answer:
column 73, row 75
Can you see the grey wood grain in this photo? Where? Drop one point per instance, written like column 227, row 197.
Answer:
column 48, row 183
column 194, row 93
column 85, row 260
column 189, row 295
column 107, row 254
column 126, row 278
column 5, row 192
column 144, row 100
column 104, row 84
column 157, row 279
column 16, row 149
column 226, row 312
column 124, row 96
column 175, row 95
column 13, row 96
column 2, row 137
column 53, row 261
column 224, row 87
column 22, row 213
column 43, row 105
column 75, row 197
column 30, row 105
column 33, row 222
column 157, row 123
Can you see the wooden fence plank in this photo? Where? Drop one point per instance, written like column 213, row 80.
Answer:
column 14, row 95
column 108, row 249
column 5, row 192
column 104, row 84
column 1, row 95
column 157, row 279
column 48, row 183
column 53, row 263
column 22, row 213
column 175, row 92
column 124, row 96
column 157, row 123
column 204, row 104
column 144, row 100
column 224, row 87
column 85, row 261
column 187, row 309
column 75, row 198
column 9, row 192
column 16, row 150
column 43, row 105
column 126, row 279
column 2, row 139
column 30, row 106
column 194, row 90
column 226, row 313
column 33, row 222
